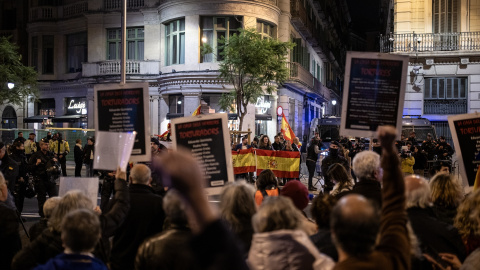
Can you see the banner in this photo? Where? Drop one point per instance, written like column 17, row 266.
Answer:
column 287, row 130
column 243, row 161
column 284, row 164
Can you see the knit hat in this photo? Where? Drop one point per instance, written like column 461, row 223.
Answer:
column 296, row 191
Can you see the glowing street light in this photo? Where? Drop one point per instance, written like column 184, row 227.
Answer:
column 10, row 85
column 334, row 102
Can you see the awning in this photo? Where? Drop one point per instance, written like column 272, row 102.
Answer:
column 36, row 119
column 68, row 118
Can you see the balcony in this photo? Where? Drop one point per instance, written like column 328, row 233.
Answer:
column 465, row 41
column 273, row 2
column 117, row 4
column 74, row 9
column 300, row 75
column 53, row 13
column 113, row 68
column 445, row 106
column 43, row 13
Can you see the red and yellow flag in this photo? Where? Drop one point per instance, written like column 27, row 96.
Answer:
column 197, row 110
column 287, row 130
column 243, row 161
column 284, row 164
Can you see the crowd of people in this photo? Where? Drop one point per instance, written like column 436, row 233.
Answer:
column 384, row 219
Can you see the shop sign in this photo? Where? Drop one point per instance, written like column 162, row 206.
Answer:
column 76, row 106
column 262, row 105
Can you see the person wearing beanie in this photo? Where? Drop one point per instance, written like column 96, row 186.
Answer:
column 298, row 193
column 332, row 158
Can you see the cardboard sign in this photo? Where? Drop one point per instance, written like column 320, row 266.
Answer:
column 207, row 137
column 374, row 92
column 125, row 109
column 113, row 150
column 465, row 131
column 89, row 186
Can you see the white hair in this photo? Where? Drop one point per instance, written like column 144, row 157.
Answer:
column 365, row 164
column 420, row 196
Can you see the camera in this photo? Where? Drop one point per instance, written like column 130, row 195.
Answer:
column 405, row 153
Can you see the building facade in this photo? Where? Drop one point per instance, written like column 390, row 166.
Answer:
column 442, row 39
column 76, row 44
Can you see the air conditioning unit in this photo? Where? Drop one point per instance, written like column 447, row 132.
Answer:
column 464, row 61
column 429, row 62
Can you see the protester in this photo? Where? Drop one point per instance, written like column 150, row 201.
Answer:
column 366, row 166
column 446, row 195
column 237, row 206
column 265, row 143
column 332, row 158
column 312, row 156
column 467, row 223
column 10, row 242
column 267, row 185
column 37, row 228
column 169, row 249
column 107, row 188
column 298, row 193
column 44, row 170
column 144, row 219
column 80, row 233
column 278, row 243
column 213, row 245
column 78, row 157
column 320, row 210
column 60, row 148
column 355, row 222
column 432, row 233
column 243, row 145
column 343, row 181
column 88, row 154
column 49, row 243
column 277, row 145
column 255, row 142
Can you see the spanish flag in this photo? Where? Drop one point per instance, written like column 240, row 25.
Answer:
column 284, row 164
column 164, row 135
column 287, row 130
column 476, row 185
column 197, row 111
column 243, row 161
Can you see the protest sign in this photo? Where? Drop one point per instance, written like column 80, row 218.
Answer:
column 89, row 185
column 374, row 92
column 113, row 150
column 207, row 137
column 465, row 131
column 125, row 109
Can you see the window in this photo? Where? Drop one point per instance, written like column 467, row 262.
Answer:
column 34, row 62
column 445, row 96
column 265, row 29
column 213, row 29
column 300, row 54
column 445, row 16
column 175, row 42
column 175, row 104
column 135, row 44
column 47, row 54
column 76, row 51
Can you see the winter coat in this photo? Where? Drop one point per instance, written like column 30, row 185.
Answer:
column 407, row 164
column 10, row 242
column 73, row 262
column 87, row 151
column 78, row 154
column 370, row 189
column 286, row 249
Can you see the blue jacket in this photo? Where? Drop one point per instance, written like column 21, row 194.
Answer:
column 73, row 262
column 239, row 147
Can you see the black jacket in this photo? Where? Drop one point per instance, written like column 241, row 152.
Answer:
column 370, row 189
column 434, row 233
column 9, row 168
column 329, row 161
column 87, row 150
column 20, row 158
column 9, row 236
column 49, row 244
column 145, row 219
column 323, row 241
column 78, row 154
column 40, row 170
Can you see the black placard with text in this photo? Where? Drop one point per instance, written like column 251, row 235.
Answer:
column 467, row 144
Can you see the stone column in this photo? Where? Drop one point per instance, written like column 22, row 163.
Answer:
column 151, row 35
column 191, row 101
column 90, row 108
column 162, row 114
column 154, row 100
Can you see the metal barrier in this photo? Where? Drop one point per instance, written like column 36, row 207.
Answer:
column 68, row 134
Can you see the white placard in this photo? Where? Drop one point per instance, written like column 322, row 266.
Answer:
column 113, row 150
column 89, row 186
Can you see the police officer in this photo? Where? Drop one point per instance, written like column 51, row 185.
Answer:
column 30, row 145
column 428, row 146
column 443, row 149
column 61, row 149
column 39, row 162
column 332, row 158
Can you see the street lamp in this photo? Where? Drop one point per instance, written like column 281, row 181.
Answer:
column 10, row 85
column 334, row 102
column 334, row 109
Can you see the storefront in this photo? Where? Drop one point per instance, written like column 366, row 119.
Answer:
column 75, row 113
column 263, row 115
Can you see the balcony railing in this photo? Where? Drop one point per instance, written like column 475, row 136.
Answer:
column 442, row 107
column 273, row 2
column 43, row 13
column 74, row 9
column 117, row 4
column 302, row 76
column 113, row 68
column 412, row 42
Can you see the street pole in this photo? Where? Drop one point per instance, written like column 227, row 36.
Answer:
column 124, row 43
